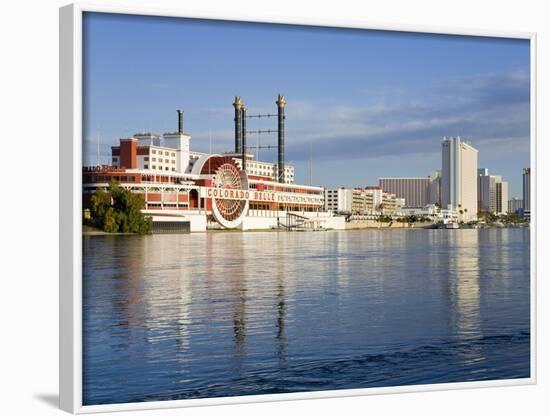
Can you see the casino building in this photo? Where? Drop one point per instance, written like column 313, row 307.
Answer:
column 187, row 190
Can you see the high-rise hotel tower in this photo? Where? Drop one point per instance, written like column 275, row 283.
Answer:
column 459, row 177
column 527, row 193
column 527, row 189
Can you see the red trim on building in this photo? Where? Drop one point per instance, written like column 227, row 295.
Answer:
column 258, row 177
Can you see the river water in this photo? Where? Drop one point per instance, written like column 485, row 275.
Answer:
column 223, row 314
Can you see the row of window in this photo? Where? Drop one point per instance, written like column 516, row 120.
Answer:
column 267, row 166
column 165, row 160
column 108, row 178
column 259, row 206
column 146, row 166
column 270, row 173
column 154, row 151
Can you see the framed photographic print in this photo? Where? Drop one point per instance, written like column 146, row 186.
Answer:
column 271, row 210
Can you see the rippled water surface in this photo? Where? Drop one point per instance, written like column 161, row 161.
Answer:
column 224, row 314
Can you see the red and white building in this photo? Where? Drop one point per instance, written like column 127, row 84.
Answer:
column 208, row 190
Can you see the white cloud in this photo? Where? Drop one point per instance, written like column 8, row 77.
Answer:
column 490, row 110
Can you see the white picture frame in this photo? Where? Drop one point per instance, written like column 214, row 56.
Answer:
column 70, row 151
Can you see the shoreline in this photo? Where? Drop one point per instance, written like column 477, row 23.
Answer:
column 90, row 231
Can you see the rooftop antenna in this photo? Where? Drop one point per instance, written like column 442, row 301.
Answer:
column 310, row 162
column 98, row 159
column 210, row 159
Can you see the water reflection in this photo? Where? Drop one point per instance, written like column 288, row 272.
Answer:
column 217, row 314
column 464, row 280
column 281, row 305
column 238, row 276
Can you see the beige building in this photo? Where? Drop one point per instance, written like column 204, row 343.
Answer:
column 364, row 201
column 359, row 203
column 459, row 177
column 415, row 190
column 502, row 197
column 389, row 204
column 492, row 192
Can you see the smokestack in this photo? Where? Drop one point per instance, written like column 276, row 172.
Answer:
column 281, row 102
column 238, row 104
column 180, row 121
column 243, row 134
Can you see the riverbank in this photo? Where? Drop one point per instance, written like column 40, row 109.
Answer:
column 374, row 224
column 93, row 231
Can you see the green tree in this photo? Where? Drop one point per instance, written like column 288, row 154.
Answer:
column 118, row 210
column 110, row 224
column 511, row 218
column 384, row 218
column 487, row 217
column 101, row 201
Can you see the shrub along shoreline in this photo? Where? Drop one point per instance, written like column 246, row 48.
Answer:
column 117, row 210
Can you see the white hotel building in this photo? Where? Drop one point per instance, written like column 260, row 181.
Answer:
column 339, row 200
column 459, row 178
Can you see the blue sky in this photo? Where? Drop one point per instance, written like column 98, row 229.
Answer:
column 361, row 104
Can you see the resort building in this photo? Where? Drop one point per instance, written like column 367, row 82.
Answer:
column 515, row 205
column 459, row 177
column 434, row 188
column 348, row 200
column 527, row 192
column 502, row 197
column 415, row 190
column 429, row 210
column 339, row 200
column 201, row 190
column 492, row 192
column 390, row 204
column 363, row 201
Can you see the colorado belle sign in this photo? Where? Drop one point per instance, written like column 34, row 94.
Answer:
column 262, row 196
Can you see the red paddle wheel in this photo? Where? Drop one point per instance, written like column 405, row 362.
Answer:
column 227, row 175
